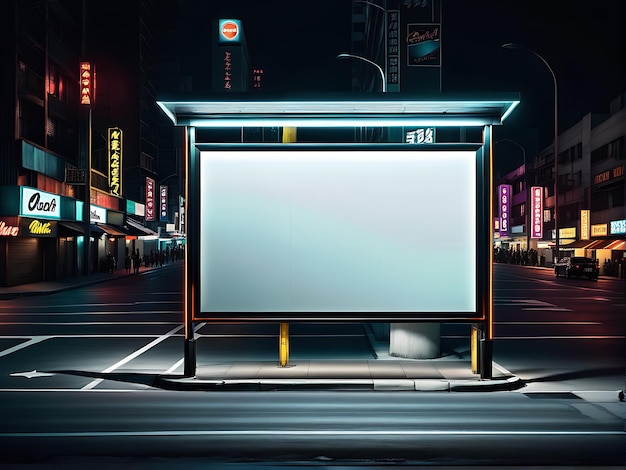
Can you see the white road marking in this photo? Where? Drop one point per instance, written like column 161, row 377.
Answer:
column 25, row 344
column 90, row 323
column 175, row 366
column 102, row 312
column 120, row 304
column 94, row 336
column 132, row 356
column 32, row 374
column 502, row 369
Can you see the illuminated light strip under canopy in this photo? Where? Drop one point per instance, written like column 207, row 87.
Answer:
column 343, row 113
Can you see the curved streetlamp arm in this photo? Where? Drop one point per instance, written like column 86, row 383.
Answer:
column 511, row 45
column 370, row 4
column 516, row 144
column 380, row 70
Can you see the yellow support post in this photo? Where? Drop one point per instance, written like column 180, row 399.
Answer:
column 283, row 347
column 474, row 348
column 290, row 135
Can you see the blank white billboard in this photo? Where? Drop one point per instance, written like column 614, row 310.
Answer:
column 325, row 232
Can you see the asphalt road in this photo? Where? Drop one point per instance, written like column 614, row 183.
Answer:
column 343, row 428
column 565, row 337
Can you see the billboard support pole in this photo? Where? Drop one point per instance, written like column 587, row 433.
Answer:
column 192, row 214
column 485, row 249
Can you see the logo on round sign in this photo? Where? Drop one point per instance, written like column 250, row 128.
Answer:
column 230, row 30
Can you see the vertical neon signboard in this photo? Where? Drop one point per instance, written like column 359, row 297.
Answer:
column 86, row 84
column 163, row 203
column 115, row 161
column 585, row 226
column 504, row 198
column 536, row 212
column 150, row 187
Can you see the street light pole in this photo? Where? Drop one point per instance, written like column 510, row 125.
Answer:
column 511, row 45
column 380, row 69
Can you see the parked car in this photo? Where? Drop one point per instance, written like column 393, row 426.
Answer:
column 577, row 266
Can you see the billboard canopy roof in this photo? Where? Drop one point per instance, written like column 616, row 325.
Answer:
column 387, row 110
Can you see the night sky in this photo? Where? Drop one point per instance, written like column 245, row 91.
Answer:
column 582, row 40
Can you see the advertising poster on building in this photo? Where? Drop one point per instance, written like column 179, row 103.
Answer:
column 36, row 203
column 150, row 188
column 423, row 42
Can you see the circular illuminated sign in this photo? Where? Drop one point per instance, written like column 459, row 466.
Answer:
column 230, row 30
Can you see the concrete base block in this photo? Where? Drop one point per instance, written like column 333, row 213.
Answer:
column 415, row 340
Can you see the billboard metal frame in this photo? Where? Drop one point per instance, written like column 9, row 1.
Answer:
column 333, row 316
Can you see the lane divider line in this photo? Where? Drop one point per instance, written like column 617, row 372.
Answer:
column 132, row 356
column 30, row 342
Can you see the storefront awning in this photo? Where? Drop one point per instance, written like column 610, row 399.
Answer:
column 597, row 244
column 580, row 244
column 137, row 228
column 112, row 230
column 617, row 245
column 79, row 228
column 604, row 244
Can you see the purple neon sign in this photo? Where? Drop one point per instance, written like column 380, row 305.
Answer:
column 536, row 212
column 504, row 198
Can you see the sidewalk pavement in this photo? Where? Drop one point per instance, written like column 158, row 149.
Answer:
column 51, row 287
column 383, row 372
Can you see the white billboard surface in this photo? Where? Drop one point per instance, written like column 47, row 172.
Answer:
column 334, row 230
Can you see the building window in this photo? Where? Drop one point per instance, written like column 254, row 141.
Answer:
column 52, row 79
column 547, row 215
column 613, row 150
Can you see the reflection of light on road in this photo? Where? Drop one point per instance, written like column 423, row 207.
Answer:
column 99, row 323
column 563, row 337
column 312, row 432
column 548, row 323
column 531, row 304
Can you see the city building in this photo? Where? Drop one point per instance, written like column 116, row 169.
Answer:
column 79, row 138
column 41, row 235
column 591, row 208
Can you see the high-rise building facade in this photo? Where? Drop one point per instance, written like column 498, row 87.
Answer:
column 79, row 137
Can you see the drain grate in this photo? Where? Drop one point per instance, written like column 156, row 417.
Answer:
column 560, row 395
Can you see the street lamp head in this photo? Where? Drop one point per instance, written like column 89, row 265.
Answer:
column 510, row 45
column 344, row 55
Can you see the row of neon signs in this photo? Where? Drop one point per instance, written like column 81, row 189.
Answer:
column 505, row 193
column 151, row 200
